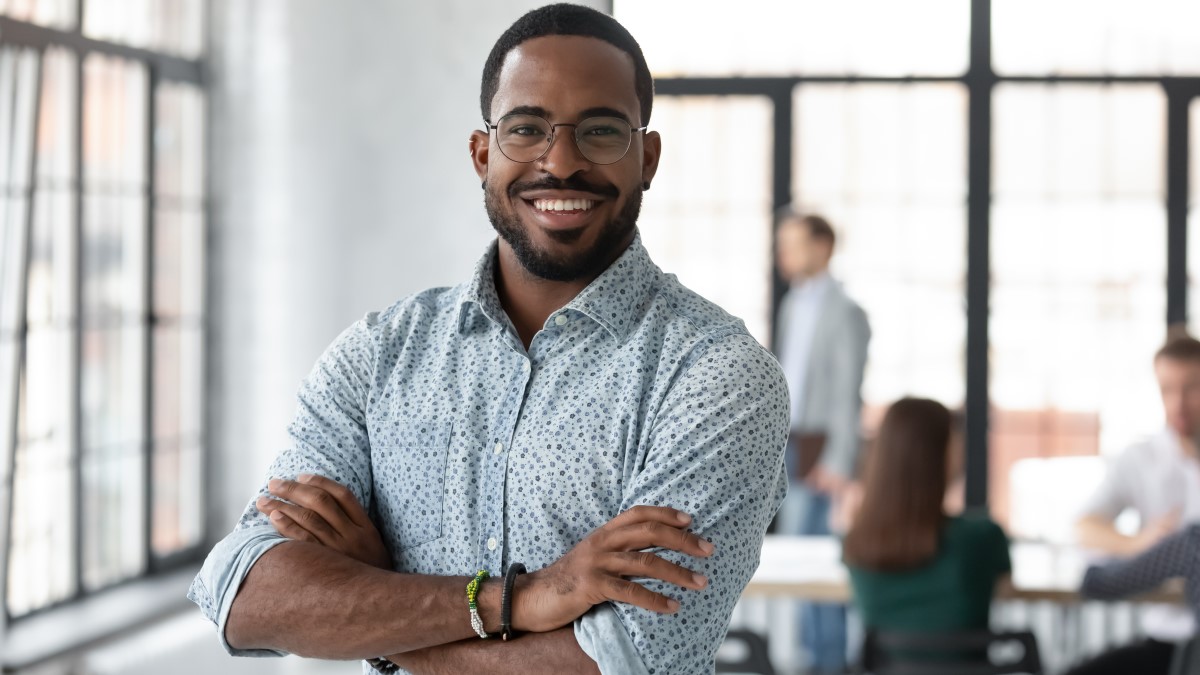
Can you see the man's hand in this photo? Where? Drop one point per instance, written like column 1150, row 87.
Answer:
column 825, row 481
column 327, row 513
column 599, row 568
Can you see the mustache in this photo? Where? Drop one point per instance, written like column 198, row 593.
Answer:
column 571, row 183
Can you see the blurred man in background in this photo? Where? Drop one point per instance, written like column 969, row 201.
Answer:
column 1160, row 480
column 822, row 338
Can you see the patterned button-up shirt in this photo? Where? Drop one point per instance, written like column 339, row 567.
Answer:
column 472, row 452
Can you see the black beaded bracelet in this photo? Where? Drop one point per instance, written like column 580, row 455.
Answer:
column 506, row 597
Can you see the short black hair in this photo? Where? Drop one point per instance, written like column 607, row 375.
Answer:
column 566, row 19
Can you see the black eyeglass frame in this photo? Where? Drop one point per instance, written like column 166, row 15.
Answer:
column 554, row 136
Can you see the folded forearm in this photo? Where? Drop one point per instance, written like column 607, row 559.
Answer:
column 1096, row 533
column 1175, row 556
column 532, row 653
column 309, row 600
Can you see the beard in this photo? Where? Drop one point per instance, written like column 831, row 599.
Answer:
column 585, row 264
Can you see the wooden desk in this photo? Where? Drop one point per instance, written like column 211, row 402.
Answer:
column 810, row 568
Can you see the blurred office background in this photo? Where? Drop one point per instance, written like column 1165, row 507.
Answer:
column 196, row 197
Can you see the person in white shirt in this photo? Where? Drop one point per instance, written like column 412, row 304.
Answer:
column 821, row 342
column 1160, row 480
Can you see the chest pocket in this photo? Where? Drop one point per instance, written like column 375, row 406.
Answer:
column 410, row 476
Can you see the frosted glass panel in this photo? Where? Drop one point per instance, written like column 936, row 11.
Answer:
column 1095, row 37
column 1079, row 270
column 708, row 216
column 894, row 188
column 807, row 37
column 1194, row 218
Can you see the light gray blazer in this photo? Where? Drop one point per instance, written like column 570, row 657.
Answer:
column 833, row 382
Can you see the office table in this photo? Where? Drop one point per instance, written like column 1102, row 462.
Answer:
column 810, row 568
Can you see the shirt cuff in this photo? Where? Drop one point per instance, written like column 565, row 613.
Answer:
column 217, row 584
column 603, row 637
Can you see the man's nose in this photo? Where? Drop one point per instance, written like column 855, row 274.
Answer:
column 563, row 159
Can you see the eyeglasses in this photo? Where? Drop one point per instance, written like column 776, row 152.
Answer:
column 527, row 138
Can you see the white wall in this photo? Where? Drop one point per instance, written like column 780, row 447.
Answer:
column 341, row 182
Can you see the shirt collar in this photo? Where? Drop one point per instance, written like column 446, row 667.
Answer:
column 612, row 300
column 815, row 284
column 481, row 292
column 617, row 296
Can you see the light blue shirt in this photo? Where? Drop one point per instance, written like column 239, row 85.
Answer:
column 804, row 310
column 470, row 452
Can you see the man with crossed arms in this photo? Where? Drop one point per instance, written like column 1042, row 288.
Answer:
column 571, row 408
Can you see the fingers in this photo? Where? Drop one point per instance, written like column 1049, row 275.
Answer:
column 307, row 519
column 313, row 497
column 654, row 526
column 288, row 528
column 651, row 534
column 661, row 514
column 649, row 565
column 341, row 494
column 623, row 590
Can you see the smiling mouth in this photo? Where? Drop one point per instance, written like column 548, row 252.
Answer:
column 563, row 205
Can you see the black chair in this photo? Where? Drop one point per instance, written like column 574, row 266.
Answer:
column 1186, row 660
column 757, row 658
column 955, row 653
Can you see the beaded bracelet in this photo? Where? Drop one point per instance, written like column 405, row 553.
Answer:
column 472, row 594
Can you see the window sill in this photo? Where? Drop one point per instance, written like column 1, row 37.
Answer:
column 95, row 619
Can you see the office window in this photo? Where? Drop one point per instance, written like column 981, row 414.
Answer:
column 707, row 37
column 894, row 187
column 1194, row 217
column 101, row 310
column 170, row 26
column 50, row 13
column 1079, row 269
column 43, row 494
column 177, row 267
column 707, row 217
column 1151, row 37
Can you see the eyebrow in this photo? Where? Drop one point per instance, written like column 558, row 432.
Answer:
column 601, row 111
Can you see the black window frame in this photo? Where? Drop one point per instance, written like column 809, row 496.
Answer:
column 979, row 82
column 144, row 596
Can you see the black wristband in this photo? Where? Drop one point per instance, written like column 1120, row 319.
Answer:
column 506, row 597
column 382, row 665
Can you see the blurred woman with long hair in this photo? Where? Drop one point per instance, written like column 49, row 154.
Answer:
column 913, row 566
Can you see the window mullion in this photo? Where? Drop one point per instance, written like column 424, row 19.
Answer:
column 77, row 324
column 21, row 328
column 148, row 327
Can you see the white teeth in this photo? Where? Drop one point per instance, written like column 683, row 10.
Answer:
column 563, row 204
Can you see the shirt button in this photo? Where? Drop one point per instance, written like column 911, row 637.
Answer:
column 492, row 544
column 525, row 366
column 560, row 320
column 499, row 448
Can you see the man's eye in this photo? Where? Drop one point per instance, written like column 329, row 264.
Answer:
column 526, row 130
column 602, row 131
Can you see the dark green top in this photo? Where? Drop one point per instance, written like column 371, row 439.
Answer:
column 951, row 592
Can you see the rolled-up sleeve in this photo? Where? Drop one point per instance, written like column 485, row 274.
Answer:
column 716, row 452
column 328, row 438
column 1115, row 493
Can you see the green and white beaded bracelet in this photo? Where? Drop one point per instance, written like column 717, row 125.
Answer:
column 472, row 594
